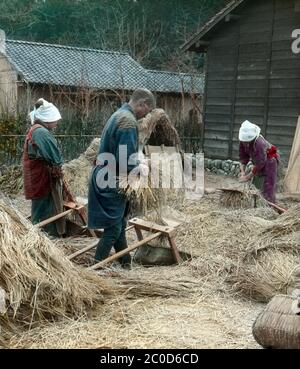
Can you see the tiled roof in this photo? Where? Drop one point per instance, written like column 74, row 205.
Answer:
column 162, row 81
column 73, row 66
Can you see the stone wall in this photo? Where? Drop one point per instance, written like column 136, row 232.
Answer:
column 223, row 167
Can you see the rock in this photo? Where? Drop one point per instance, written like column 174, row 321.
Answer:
column 149, row 255
column 218, row 164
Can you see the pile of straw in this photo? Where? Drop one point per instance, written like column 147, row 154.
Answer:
column 39, row 282
column 203, row 319
column 266, row 276
column 157, row 129
column 77, row 171
column 283, row 234
column 252, row 252
column 271, row 255
column 11, row 181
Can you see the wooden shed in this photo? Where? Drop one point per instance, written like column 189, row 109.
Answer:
column 251, row 73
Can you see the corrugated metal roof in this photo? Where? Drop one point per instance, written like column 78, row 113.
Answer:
column 73, row 66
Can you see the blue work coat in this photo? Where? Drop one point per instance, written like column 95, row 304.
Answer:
column 106, row 206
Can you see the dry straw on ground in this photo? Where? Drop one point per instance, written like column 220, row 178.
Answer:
column 225, row 246
column 11, row 180
column 202, row 319
column 205, row 303
column 40, row 283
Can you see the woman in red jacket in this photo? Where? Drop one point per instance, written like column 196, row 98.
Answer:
column 255, row 148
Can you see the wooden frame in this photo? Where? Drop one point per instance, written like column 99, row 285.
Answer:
column 139, row 225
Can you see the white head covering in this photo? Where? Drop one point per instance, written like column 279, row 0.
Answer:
column 46, row 113
column 248, row 131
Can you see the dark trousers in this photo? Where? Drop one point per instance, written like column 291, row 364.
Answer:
column 41, row 209
column 113, row 236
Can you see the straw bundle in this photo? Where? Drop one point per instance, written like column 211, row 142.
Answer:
column 142, row 197
column 156, row 129
column 265, row 277
column 77, row 171
column 277, row 326
column 40, row 283
column 236, row 200
column 283, row 233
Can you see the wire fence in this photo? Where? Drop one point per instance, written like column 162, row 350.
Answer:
column 11, row 146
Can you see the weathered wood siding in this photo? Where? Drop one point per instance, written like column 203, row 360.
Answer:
column 8, row 86
column 253, row 74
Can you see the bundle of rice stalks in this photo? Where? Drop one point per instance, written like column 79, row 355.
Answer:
column 39, row 282
column 11, row 181
column 141, row 196
column 265, row 277
column 157, row 129
column 77, row 171
column 237, row 199
column 140, row 287
column 283, row 233
column 151, row 193
column 287, row 223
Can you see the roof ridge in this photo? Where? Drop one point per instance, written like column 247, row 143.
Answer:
column 67, row 47
column 172, row 72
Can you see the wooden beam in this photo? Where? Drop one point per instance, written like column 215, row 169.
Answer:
column 53, row 219
column 126, row 251
column 174, row 250
column 232, row 17
column 278, row 208
column 89, row 247
column 201, row 44
column 151, row 226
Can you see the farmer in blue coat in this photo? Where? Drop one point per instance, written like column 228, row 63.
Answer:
column 119, row 145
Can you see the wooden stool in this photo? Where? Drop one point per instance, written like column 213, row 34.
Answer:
column 140, row 225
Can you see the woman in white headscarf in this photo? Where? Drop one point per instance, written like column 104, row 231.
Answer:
column 42, row 163
column 264, row 156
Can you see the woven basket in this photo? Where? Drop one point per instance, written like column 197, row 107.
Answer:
column 278, row 326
